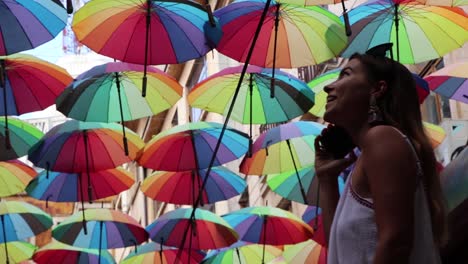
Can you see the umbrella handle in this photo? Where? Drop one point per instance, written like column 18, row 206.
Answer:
column 125, row 143
column 349, row 32
column 210, row 15
column 69, row 7
column 7, row 138
column 145, row 83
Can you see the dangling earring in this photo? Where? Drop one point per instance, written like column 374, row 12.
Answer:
column 375, row 116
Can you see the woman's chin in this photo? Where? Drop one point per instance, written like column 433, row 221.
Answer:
column 328, row 116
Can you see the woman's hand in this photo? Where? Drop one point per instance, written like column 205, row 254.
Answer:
column 326, row 166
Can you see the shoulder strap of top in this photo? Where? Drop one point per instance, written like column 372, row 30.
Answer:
column 413, row 149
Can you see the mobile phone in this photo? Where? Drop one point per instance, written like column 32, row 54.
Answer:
column 337, row 141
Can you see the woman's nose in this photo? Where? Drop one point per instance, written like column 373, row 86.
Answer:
column 328, row 88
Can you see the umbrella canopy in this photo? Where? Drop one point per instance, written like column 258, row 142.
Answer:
column 302, row 35
column 16, row 138
column 28, row 83
column 205, row 230
column 76, row 146
column 100, row 229
column 286, row 185
column 312, row 216
column 28, row 24
column 242, row 253
column 191, row 147
column 310, row 2
column 175, row 29
column 158, row 254
column 435, row 133
column 214, row 94
column 14, row 177
column 451, row 82
column 18, row 251
column 444, row 2
column 305, row 252
column 183, row 187
column 20, row 220
column 268, row 225
column 68, row 187
column 420, row 32
column 280, row 148
column 95, row 95
column 58, row 253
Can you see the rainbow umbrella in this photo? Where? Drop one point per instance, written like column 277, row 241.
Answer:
column 444, row 2
column 68, row 187
column 291, row 36
column 215, row 94
column 95, row 94
column 16, row 138
column 312, row 216
column 320, row 82
column 435, row 133
column 284, row 148
column 20, row 220
column 29, row 84
column 191, row 147
column 242, row 253
column 272, row 150
column 305, row 252
column 58, row 253
column 420, row 32
column 183, row 187
column 100, row 229
column 146, row 32
column 205, row 230
column 28, row 24
column 451, row 82
column 14, row 176
column 268, row 225
column 18, row 251
column 287, row 185
column 159, row 254
column 76, row 146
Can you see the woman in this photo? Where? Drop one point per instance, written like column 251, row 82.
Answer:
column 391, row 210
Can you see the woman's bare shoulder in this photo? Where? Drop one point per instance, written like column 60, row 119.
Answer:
column 384, row 137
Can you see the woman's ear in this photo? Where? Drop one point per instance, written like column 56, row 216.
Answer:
column 379, row 89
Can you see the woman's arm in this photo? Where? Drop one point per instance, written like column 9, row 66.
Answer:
column 390, row 169
column 327, row 170
column 329, row 197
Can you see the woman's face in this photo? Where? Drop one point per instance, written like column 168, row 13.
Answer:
column 348, row 97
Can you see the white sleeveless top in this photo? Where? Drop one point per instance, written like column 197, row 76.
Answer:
column 353, row 234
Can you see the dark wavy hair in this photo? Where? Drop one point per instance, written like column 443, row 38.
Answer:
column 400, row 108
